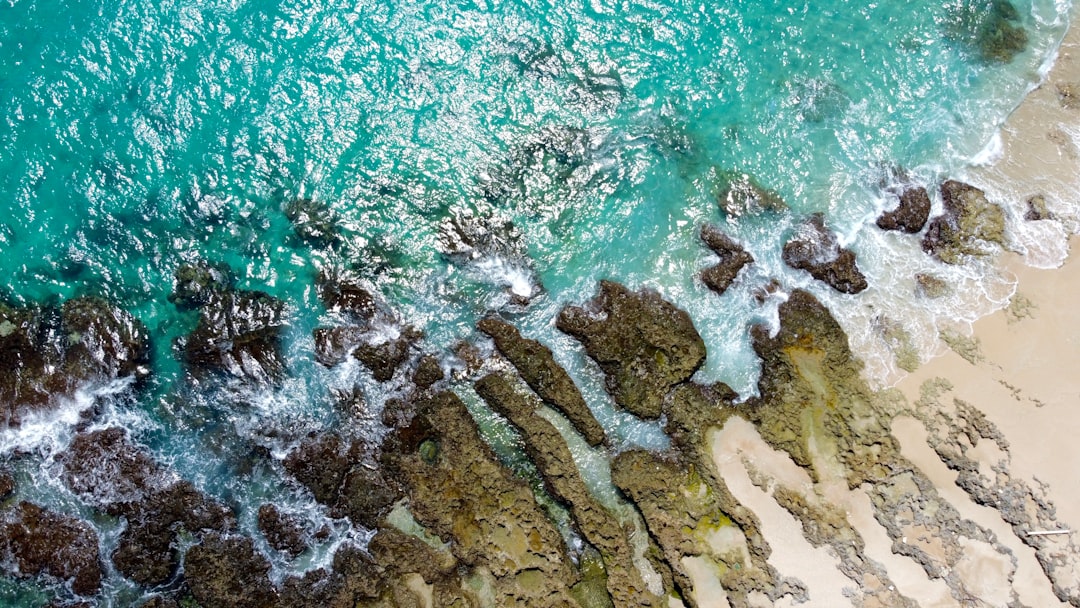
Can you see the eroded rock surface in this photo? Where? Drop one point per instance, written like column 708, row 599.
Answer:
column 644, row 344
column 733, row 257
column 549, row 452
column 815, row 249
column 544, row 375
column 969, row 224
column 226, row 571
column 36, row 541
column 48, row 352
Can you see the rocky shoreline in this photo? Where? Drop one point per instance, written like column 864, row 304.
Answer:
column 453, row 525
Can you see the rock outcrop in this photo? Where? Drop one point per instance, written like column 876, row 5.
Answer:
column 546, row 449
column 48, row 352
column 110, row 473
column 644, row 344
column 544, row 375
column 733, row 257
column 815, row 249
column 35, row 541
column 968, row 225
column 227, row 571
column 238, row 333
column 911, row 214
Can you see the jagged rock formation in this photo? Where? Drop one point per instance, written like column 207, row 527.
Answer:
column 47, row 352
column 548, row 451
column 733, row 257
column 911, row 214
column 122, row 480
column 238, row 333
column 815, row 249
column 544, row 375
column 645, row 345
column 969, row 223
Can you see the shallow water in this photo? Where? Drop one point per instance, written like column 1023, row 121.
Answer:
column 139, row 135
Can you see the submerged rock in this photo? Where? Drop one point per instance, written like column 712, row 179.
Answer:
column 543, row 374
column 911, row 214
column 47, row 352
column 313, row 221
column 229, row 572
column 341, row 291
column 198, row 283
column 34, row 541
column 732, row 259
column 815, row 249
column 644, row 344
column 968, row 224
column 741, row 194
column 993, row 30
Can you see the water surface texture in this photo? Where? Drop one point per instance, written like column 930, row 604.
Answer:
column 586, row 140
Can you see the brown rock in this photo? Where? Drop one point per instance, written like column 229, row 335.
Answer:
column 644, row 344
column 815, row 249
column 34, row 541
column 969, row 223
column 543, row 374
column 228, row 572
column 732, row 259
column 911, row 215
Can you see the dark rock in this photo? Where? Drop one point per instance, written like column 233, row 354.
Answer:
column 911, row 215
column 196, row 284
column 228, row 572
column 1069, row 95
column 283, row 532
column 313, row 221
column 644, row 344
column 335, row 473
column 7, row 485
column 333, row 344
column 239, row 334
column 34, row 541
column 428, row 372
column 385, row 358
column 968, row 223
column 159, row 601
column 321, row 463
column 366, row 496
column 742, row 194
column 815, row 249
column 48, row 352
column 543, row 374
column 109, row 472
column 732, row 259
column 1037, row 209
column 341, row 291
column 147, row 551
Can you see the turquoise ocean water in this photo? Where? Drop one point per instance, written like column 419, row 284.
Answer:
column 139, row 134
